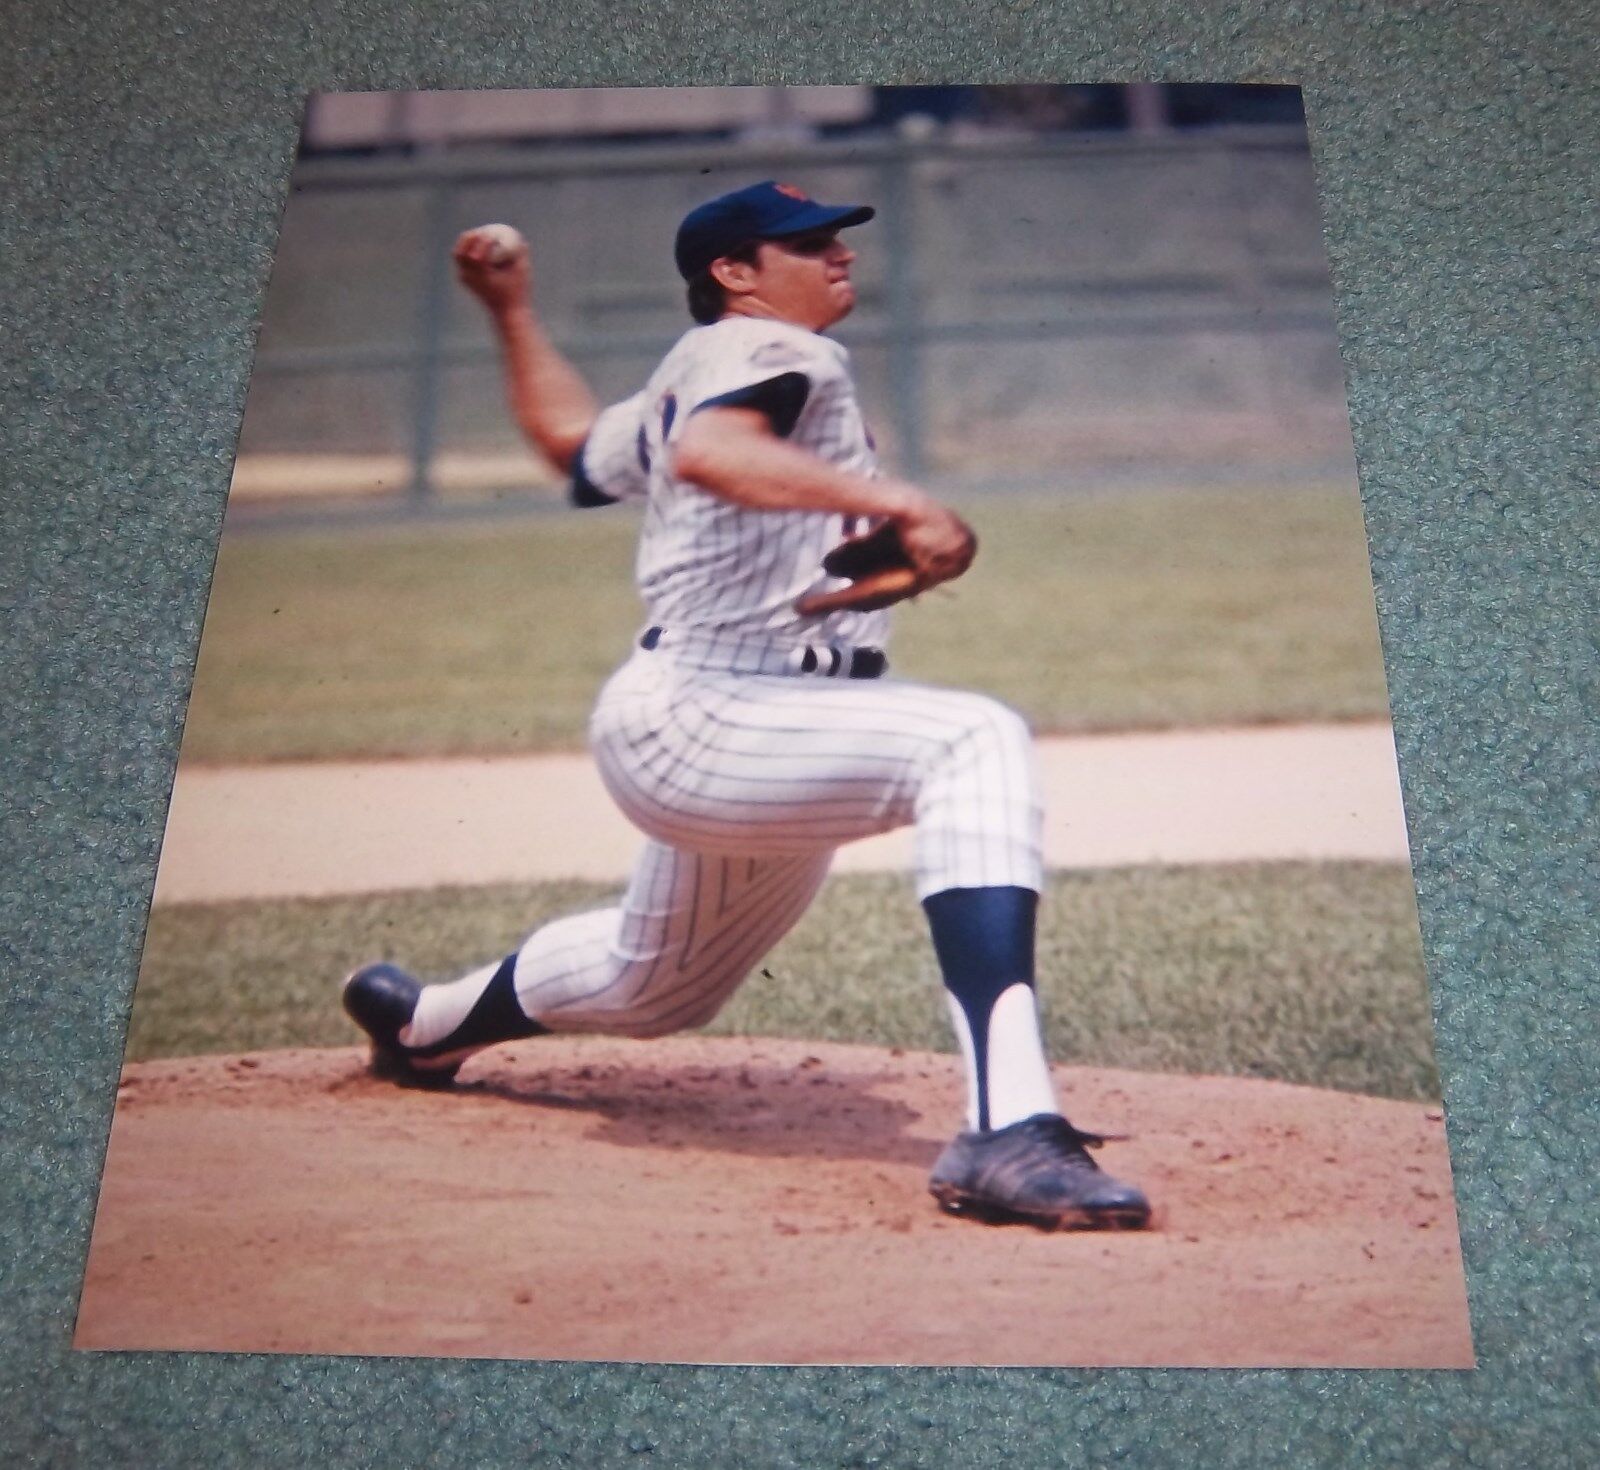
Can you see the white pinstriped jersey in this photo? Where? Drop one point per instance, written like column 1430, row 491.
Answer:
column 745, row 779
column 709, row 566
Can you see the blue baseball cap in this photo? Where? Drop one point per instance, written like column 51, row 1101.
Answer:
column 764, row 211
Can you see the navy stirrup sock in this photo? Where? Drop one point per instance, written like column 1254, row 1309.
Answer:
column 984, row 938
column 496, row 1015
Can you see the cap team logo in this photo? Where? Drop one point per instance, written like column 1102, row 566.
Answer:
column 789, row 191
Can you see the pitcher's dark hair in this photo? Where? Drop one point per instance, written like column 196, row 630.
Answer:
column 707, row 299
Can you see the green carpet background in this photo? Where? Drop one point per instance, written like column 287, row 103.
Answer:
column 146, row 152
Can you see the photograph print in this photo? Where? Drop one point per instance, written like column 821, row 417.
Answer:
column 583, row 931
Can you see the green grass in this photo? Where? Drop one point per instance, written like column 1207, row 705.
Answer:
column 1133, row 610
column 1306, row 972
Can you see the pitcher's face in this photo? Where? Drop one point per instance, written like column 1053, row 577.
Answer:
column 804, row 279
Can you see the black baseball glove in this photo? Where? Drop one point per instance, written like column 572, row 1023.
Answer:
column 878, row 569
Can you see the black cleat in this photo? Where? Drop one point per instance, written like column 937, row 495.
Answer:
column 1036, row 1172
column 380, row 999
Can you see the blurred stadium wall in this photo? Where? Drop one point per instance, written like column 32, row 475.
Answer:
column 1065, row 287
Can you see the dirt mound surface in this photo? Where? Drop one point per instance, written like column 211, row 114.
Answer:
column 733, row 1201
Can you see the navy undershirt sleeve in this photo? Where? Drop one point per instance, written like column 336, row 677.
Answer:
column 583, row 492
column 781, row 399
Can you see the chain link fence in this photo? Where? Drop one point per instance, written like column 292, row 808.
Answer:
column 1050, row 312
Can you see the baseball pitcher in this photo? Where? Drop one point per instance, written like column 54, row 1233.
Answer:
column 755, row 729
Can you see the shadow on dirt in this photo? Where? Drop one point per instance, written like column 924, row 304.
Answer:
column 753, row 1108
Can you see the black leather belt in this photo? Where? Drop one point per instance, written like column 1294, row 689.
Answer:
column 865, row 663
column 823, row 659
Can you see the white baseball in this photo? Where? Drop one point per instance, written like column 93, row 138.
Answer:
column 505, row 243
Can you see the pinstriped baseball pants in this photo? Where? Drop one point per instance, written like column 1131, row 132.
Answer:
column 744, row 786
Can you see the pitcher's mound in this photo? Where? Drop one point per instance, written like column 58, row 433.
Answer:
column 735, row 1201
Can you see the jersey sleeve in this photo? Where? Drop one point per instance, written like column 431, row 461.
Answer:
column 614, row 463
column 778, row 376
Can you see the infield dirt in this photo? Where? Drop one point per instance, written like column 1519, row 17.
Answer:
column 732, row 1201
column 1173, row 796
